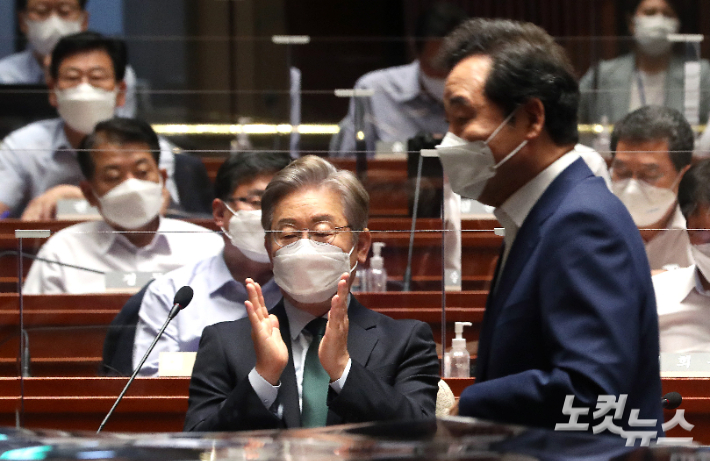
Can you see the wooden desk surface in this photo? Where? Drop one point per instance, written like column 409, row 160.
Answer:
column 159, row 404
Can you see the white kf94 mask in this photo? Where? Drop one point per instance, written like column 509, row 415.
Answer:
column 469, row 165
column 310, row 271
column 245, row 232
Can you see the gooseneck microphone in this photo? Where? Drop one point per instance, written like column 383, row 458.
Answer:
column 180, row 301
column 671, row 400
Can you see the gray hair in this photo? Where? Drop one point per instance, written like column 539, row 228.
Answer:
column 312, row 171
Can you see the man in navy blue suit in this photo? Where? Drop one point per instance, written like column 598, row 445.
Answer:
column 572, row 309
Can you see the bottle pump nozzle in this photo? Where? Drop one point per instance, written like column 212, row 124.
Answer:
column 377, row 261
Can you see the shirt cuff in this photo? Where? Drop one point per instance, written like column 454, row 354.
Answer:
column 337, row 386
column 266, row 392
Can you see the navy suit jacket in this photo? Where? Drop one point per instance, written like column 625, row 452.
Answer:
column 573, row 313
column 394, row 375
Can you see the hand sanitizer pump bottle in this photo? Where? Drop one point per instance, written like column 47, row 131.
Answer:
column 459, row 358
column 377, row 275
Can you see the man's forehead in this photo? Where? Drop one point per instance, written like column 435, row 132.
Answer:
column 651, row 151
column 87, row 60
column 33, row 3
column 110, row 154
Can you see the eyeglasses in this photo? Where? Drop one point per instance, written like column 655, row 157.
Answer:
column 98, row 77
column 322, row 232
column 650, row 175
column 251, row 200
column 65, row 10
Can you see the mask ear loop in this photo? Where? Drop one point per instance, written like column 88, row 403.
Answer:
column 500, row 127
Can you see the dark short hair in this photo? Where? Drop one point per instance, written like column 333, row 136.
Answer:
column 311, row 171
column 437, row 21
column 244, row 167
column 656, row 123
column 694, row 188
column 119, row 131
column 632, row 6
column 21, row 5
column 83, row 42
column 527, row 64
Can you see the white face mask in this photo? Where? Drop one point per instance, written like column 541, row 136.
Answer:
column 647, row 204
column 651, row 33
column 701, row 256
column 433, row 86
column 310, row 271
column 133, row 203
column 245, row 232
column 469, row 165
column 84, row 105
column 44, row 35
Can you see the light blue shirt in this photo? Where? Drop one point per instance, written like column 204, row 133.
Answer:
column 399, row 110
column 38, row 157
column 217, row 298
column 22, row 68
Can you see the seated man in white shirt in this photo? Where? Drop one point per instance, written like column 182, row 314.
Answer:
column 44, row 23
column 38, row 162
column 652, row 149
column 683, row 295
column 218, row 282
column 120, row 163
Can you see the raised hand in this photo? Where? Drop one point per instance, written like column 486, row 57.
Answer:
column 271, row 351
column 333, row 350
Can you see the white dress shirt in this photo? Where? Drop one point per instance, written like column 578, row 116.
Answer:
column 217, row 298
column 670, row 246
column 22, row 68
column 512, row 213
column 96, row 245
column 683, row 311
column 300, row 342
column 38, row 156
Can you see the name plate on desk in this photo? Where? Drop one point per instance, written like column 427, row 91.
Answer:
column 176, row 363
column 128, row 282
column 696, row 365
column 385, row 150
column 76, row 209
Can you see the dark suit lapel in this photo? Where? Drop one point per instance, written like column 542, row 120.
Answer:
column 288, row 394
column 361, row 341
column 525, row 242
column 361, row 338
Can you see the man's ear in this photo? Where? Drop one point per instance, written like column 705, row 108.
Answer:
column 218, row 213
column 121, row 95
column 51, row 84
column 85, row 21
column 533, row 114
column 88, row 192
column 363, row 245
column 164, row 175
column 21, row 18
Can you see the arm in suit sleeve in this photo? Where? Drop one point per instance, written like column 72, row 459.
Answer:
column 401, row 385
column 219, row 399
column 591, row 304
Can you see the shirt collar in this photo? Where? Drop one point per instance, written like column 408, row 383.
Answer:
column 160, row 242
column 517, row 207
column 677, row 220
column 59, row 139
column 408, row 87
column 694, row 283
column 298, row 319
column 219, row 274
